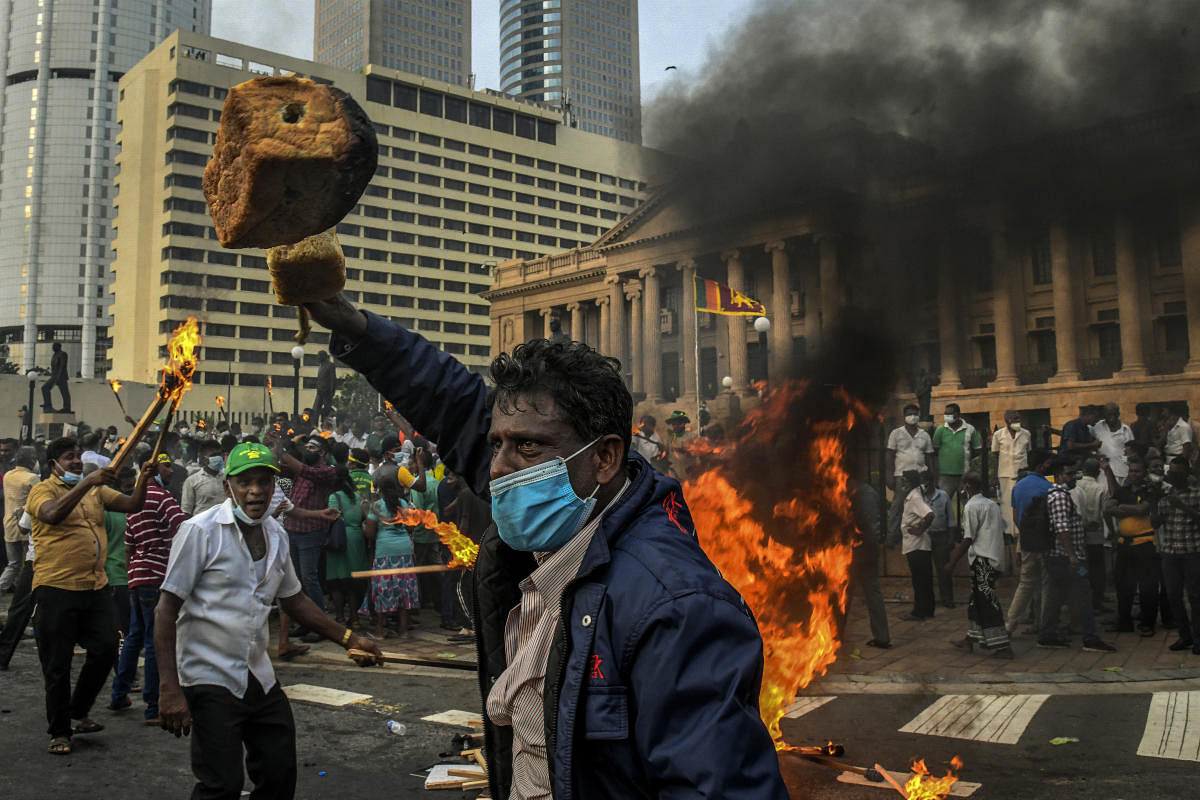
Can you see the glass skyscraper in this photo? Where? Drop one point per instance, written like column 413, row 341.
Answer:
column 581, row 55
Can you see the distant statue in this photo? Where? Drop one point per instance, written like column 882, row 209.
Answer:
column 326, row 385
column 58, row 377
column 556, row 331
column 922, row 386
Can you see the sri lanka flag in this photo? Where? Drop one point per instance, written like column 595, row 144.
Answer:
column 717, row 298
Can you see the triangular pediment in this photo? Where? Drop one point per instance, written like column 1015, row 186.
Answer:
column 658, row 216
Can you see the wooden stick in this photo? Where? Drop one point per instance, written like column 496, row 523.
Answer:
column 891, row 780
column 404, row 571
column 162, row 431
column 139, row 429
column 464, row 773
column 469, row 785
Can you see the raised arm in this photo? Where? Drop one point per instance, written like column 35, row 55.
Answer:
column 442, row 398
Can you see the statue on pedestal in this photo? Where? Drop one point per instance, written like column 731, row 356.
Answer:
column 58, row 377
column 556, row 331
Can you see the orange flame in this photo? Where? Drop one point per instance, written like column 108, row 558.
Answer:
column 201, row 424
column 177, row 374
column 304, row 417
column 463, row 550
column 270, row 389
column 790, row 561
column 220, row 401
column 121, row 440
column 325, row 434
column 115, row 384
column 923, row 786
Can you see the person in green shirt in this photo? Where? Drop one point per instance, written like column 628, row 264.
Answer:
column 955, row 443
column 114, row 564
column 345, row 591
column 393, row 550
column 358, row 462
column 426, row 544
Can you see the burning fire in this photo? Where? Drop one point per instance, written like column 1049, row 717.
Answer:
column 785, row 546
column 325, row 434
column 923, row 786
column 220, row 401
column 115, row 384
column 463, row 550
column 177, row 374
column 270, row 389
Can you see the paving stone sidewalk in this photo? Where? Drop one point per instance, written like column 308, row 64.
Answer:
column 922, row 652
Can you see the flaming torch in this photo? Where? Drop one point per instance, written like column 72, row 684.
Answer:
column 176, row 380
column 463, row 551
column 116, row 387
column 270, row 396
column 221, row 405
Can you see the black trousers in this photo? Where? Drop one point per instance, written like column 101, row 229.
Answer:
column 1181, row 574
column 920, row 564
column 1139, row 571
column 19, row 612
column 64, row 619
column 1096, row 576
column 943, row 546
column 222, row 726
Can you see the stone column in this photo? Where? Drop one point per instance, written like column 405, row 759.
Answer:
column 780, row 313
column 576, row 331
column 831, row 292
column 1129, row 305
column 735, row 278
column 687, row 323
column 616, row 330
column 949, row 296
column 1066, row 327
column 1190, row 235
column 546, row 313
column 633, row 290
column 605, row 326
column 651, row 337
column 1002, row 312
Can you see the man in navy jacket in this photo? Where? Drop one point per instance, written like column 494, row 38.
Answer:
column 614, row 659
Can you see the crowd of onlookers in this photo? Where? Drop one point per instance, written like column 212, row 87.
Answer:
column 1109, row 505
column 341, row 487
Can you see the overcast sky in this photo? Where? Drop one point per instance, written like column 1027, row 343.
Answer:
column 673, row 32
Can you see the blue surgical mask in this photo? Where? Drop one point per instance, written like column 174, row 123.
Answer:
column 216, row 463
column 71, row 478
column 246, row 518
column 536, row 509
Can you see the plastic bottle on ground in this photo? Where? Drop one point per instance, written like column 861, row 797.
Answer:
column 396, row 727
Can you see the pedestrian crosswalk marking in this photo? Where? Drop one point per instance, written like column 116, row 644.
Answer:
column 1172, row 727
column 323, row 695
column 805, row 705
column 1000, row 719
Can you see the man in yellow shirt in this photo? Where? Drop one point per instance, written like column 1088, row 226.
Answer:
column 70, row 586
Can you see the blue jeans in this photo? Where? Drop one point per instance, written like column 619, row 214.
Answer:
column 142, row 601
column 306, row 558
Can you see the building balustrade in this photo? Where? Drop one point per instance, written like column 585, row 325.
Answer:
column 1099, row 369
column 1035, row 373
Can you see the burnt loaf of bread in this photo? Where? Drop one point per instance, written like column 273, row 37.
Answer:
column 291, row 159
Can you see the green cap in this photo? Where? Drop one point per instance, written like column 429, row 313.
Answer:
column 249, row 455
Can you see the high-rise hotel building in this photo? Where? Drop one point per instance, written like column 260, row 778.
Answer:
column 62, row 60
column 578, row 54
column 465, row 180
column 430, row 38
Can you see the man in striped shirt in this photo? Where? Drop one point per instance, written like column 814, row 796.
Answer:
column 148, row 535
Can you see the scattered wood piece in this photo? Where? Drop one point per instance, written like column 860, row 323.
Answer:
column 960, row 788
column 892, row 781
column 466, row 771
column 474, row 785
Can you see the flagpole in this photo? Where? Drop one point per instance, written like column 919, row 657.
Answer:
column 696, row 339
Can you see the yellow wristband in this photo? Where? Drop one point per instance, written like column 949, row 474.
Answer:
column 346, row 637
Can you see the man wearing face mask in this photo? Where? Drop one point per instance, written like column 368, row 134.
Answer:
column 227, row 566
column 1111, row 437
column 312, row 481
column 908, row 448
column 206, row 487
column 1179, row 545
column 614, row 659
column 1137, row 568
column 1010, row 454
column 70, row 586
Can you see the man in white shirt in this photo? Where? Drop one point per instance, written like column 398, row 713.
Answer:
column 917, row 546
column 1113, row 435
column 649, row 445
column 90, row 453
column 908, row 448
column 1010, row 455
column 1179, row 434
column 227, row 567
column 1090, row 494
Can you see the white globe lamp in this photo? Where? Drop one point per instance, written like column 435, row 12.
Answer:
column 762, row 324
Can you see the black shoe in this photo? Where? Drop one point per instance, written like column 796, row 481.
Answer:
column 1053, row 643
column 1181, row 644
column 1098, row 646
column 879, row 644
column 1145, row 631
column 120, row 706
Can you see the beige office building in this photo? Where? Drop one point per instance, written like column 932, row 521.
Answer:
column 465, row 180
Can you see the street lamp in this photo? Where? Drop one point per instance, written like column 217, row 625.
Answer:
column 297, row 355
column 727, row 382
column 761, row 326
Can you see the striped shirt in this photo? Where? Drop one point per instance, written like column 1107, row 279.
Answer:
column 516, row 697
column 148, row 535
column 1064, row 518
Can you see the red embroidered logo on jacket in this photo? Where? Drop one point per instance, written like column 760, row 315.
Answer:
column 596, row 673
column 673, row 506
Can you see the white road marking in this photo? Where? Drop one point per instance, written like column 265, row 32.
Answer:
column 1000, row 719
column 323, row 695
column 1172, row 727
column 805, row 705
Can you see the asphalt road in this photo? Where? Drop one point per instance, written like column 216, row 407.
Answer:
column 360, row 759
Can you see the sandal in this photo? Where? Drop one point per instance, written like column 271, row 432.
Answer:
column 60, row 746
column 86, row 725
column 293, row 651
